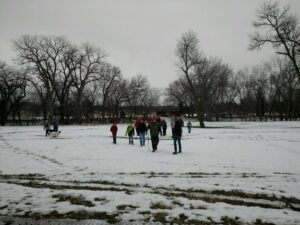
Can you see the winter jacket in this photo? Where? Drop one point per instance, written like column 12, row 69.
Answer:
column 189, row 124
column 181, row 122
column 158, row 120
column 137, row 123
column 155, row 129
column 150, row 120
column 55, row 125
column 142, row 128
column 129, row 131
column 114, row 129
column 164, row 125
column 177, row 129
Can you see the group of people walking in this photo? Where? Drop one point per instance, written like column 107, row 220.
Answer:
column 156, row 127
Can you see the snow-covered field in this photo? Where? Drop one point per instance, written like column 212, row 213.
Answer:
column 235, row 173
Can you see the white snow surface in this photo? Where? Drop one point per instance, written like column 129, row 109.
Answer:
column 247, row 157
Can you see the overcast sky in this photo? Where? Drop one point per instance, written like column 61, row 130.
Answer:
column 140, row 35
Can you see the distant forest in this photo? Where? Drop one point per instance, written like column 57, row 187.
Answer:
column 53, row 77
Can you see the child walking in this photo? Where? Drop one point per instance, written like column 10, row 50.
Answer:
column 130, row 133
column 114, row 130
column 189, row 126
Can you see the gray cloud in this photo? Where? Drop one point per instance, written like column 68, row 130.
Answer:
column 139, row 35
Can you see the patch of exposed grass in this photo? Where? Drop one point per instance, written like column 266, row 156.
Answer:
column 99, row 199
column 197, row 207
column 19, row 210
column 159, row 205
column 75, row 200
column 34, row 184
column 295, row 208
column 127, row 192
column 212, row 199
column 197, row 222
column 123, row 207
column 260, row 222
column 192, row 194
column 177, row 203
column 8, row 222
column 240, row 194
column 3, row 207
column 230, row 221
column 140, row 173
column 203, row 174
column 28, row 176
column 160, row 217
column 78, row 215
column 144, row 212
column 105, row 182
column 182, row 219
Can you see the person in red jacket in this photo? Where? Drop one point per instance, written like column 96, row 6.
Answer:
column 114, row 130
column 136, row 125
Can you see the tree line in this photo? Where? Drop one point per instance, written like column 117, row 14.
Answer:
column 54, row 77
column 210, row 88
column 57, row 77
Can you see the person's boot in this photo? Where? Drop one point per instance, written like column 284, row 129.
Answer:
column 179, row 151
column 175, row 151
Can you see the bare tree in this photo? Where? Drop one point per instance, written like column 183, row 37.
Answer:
column 43, row 55
column 280, row 28
column 108, row 75
column 176, row 94
column 13, row 86
column 87, row 64
column 119, row 95
column 254, row 89
column 189, row 58
column 211, row 81
column 41, row 93
column 64, row 80
column 284, row 83
column 138, row 90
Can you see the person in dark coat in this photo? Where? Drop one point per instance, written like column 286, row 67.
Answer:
column 177, row 136
column 155, row 130
column 55, row 124
column 158, row 120
column 189, row 126
column 114, row 130
column 142, row 130
column 164, row 127
column 181, row 121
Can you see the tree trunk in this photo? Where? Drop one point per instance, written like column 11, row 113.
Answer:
column 200, row 116
column 50, row 106
column 3, row 113
column 62, row 113
column 78, row 108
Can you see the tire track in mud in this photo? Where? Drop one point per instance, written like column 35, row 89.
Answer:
column 183, row 199
column 231, row 197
